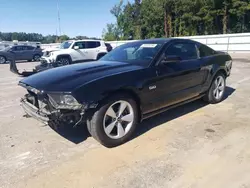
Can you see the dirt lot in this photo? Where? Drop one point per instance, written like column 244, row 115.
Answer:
column 193, row 146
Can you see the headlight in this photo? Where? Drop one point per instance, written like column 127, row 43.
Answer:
column 64, row 101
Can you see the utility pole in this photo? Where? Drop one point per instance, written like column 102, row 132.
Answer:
column 59, row 20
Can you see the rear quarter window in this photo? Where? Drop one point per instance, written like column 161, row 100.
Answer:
column 186, row 51
column 205, row 51
column 92, row 44
column 30, row 47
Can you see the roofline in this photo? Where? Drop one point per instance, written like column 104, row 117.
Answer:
column 83, row 40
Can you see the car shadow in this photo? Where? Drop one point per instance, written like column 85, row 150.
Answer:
column 73, row 134
column 80, row 133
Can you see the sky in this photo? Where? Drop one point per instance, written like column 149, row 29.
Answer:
column 78, row 17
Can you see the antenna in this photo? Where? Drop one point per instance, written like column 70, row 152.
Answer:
column 59, row 20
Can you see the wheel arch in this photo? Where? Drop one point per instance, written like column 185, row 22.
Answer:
column 4, row 57
column 64, row 55
column 36, row 54
column 221, row 70
column 218, row 71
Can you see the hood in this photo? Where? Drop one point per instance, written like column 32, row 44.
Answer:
column 51, row 49
column 70, row 77
column 6, row 53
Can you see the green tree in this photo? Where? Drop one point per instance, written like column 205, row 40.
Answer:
column 111, row 33
column 14, row 36
column 170, row 18
column 63, row 38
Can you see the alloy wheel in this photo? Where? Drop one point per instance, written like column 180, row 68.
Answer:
column 219, row 87
column 2, row 60
column 36, row 57
column 64, row 61
column 118, row 119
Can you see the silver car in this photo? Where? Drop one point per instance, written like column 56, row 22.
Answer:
column 20, row 52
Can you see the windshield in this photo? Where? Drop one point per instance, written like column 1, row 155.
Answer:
column 135, row 52
column 65, row 45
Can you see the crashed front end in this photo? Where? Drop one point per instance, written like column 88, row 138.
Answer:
column 52, row 108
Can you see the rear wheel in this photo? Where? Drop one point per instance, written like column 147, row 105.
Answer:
column 115, row 121
column 2, row 60
column 36, row 57
column 217, row 90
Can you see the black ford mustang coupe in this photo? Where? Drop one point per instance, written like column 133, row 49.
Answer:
column 131, row 83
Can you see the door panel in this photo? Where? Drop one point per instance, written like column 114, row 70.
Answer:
column 27, row 53
column 92, row 49
column 18, row 51
column 180, row 81
column 177, row 81
column 78, row 55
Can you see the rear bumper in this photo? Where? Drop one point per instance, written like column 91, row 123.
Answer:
column 34, row 112
column 229, row 65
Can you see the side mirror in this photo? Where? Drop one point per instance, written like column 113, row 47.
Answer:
column 76, row 47
column 171, row 59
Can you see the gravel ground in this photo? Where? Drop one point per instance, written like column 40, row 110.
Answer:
column 194, row 146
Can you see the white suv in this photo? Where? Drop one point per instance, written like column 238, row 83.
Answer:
column 76, row 51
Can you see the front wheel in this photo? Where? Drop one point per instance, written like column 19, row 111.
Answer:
column 217, row 90
column 115, row 121
column 2, row 60
column 63, row 61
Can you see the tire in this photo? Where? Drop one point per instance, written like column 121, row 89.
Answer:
column 64, row 61
column 36, row 57
column 109, row 127
column 216, row 92
column 2, row 60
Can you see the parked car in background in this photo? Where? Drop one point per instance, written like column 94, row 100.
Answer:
column 6, row 55
column 21, row 52
column 133, row 82
column 72, row 51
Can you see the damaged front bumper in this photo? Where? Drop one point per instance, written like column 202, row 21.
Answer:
column 40, row 108
column 34, row 112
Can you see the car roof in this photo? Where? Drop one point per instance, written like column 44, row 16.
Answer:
column 95, row 40
column 162, row 41
column 21, row 45
column 166, row 40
